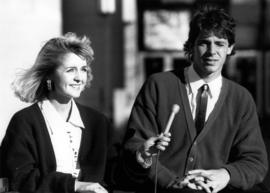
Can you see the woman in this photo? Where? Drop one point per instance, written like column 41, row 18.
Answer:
column 56, row 145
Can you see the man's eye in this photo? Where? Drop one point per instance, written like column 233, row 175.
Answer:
column 202, row 43
column 220, row 44
column 70, row 70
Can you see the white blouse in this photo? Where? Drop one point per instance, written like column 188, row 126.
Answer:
column 65, row 136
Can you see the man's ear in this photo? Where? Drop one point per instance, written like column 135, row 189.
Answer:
column 230, row 49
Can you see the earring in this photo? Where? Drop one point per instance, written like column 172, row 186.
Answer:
column 49, row 85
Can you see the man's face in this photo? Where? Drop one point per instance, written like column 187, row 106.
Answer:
column 210, row 53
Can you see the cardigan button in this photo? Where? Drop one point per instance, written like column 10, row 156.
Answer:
column 191, row 159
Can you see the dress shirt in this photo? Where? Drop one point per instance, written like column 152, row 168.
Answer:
column 194, row 82
column 65, row 136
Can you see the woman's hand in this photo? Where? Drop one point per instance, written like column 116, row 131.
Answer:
column 89, row 187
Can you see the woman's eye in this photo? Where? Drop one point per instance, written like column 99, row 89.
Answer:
column 85, row 69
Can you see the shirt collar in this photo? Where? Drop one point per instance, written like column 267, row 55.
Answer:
column 195, row 82
column 52, row 114
column 75, row 117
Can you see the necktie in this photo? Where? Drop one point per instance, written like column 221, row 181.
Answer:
column 201, row 107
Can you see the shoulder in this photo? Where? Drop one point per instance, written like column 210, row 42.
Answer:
column 28, row 113
column 235, row 86
column 95, row 122
column 237, row 91
column 160, row 88
column 161, row 81
column 88, row 113
column 164, row 76
column 26, row 120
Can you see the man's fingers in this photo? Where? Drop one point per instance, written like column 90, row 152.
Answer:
column 192, row 186
column 194, row 177
column 198, row 172
column 168, row 135
column 164, row 137
column 162, row 143
column 203, row 173
column 204, row 186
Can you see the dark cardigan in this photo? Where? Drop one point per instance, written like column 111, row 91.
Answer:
column 27, row 156
column 231, row 138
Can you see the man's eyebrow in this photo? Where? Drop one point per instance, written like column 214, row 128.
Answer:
column 221, row 41
column 203, row 40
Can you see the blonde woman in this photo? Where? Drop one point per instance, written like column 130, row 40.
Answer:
column 56, row 145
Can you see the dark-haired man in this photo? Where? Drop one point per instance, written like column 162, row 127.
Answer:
column 215, row 143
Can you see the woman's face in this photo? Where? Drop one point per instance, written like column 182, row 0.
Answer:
column 70, row 77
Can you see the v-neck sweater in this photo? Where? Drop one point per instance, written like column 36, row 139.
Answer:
column 231, row 137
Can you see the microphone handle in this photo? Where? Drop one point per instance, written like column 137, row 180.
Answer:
column 169, row 123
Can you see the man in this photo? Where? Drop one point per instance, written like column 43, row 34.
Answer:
column 215, row 143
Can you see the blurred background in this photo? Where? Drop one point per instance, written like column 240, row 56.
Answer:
column 131, row 39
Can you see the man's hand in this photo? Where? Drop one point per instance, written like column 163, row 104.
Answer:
column 212, row 181
column 155, row 144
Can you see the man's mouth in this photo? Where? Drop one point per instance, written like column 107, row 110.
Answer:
column 210, row 60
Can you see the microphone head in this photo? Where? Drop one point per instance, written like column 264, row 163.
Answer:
column 175, row 108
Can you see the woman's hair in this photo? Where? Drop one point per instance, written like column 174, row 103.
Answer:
column 210, row 19
column 30, row 85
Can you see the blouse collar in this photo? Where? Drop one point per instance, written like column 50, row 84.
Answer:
column 52, row 115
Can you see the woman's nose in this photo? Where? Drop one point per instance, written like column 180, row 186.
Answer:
column 78, row 76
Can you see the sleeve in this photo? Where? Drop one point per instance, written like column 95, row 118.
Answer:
column 21, row 162
column 249, row 162
column 143, row 123
column 144, row 162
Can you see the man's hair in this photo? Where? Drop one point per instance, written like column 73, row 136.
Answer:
column 210, row 19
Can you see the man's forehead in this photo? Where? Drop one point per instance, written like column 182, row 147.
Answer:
column 211, row 35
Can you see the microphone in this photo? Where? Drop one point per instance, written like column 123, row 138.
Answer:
column 175, row 110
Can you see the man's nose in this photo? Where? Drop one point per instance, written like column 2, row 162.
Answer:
column 211, row 48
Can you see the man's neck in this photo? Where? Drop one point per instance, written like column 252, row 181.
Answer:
column 207, row 77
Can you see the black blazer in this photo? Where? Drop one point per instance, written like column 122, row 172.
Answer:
column 27, row 157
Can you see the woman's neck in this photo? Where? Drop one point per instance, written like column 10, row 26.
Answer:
column 63, row 108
